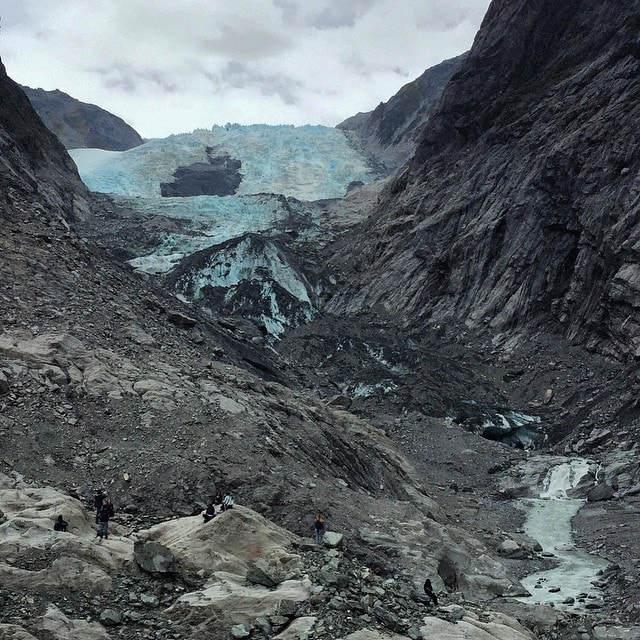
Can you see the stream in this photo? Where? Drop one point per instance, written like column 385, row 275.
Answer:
column 567, row 586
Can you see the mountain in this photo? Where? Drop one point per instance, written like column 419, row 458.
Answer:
column 390, row 132
column 321, row 339
column 79, row 125
column 518, row 210
column 109, row 381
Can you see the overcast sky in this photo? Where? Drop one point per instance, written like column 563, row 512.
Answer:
column 173, row 66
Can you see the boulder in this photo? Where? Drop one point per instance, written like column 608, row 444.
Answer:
column 600, row 492
column 299, row 628
column 4, row 384
column 110, row 618
column 181, row 320
column 240, row 631
column 286, row 608
column 230, row 542
column 333, row 540
column 603, row 632
column 511, row 549
column 14, row 632
column 229, row 599
column 260, row 572
column 493, row 625
column 154, row 557
column 339, row 402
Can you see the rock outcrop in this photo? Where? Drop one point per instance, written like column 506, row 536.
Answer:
column 518, row 210
column 79, row 125
column 38, row 180
column 390, row 133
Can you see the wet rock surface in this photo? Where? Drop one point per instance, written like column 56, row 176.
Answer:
column 219, row 177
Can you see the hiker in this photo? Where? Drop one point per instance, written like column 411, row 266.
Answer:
column 61, row 524
column 319, row 528
column 98, row 501
column 227, row 502
column 428, row 589
column 218, row 498
column 106, row 513
column 210, row 512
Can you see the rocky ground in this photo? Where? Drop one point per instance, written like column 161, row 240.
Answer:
column 210, row 405
column 108, row 380
column 237, row 576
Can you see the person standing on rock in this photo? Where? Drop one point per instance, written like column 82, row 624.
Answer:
column 98, row 501
column 428, row 589
column 61, row 524
column 319, row 528
column 106, row 513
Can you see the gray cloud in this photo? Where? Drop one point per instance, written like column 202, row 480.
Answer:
column 240, row 75
column 120, row 77
column 246, row 42
column 169, row 67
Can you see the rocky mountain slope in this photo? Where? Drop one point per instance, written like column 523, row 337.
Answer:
column 372, row 415
column 518, row 210
column 79, row 125
column 108, row 381
column 389, row 134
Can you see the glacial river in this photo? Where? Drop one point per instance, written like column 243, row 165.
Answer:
column 549, row 522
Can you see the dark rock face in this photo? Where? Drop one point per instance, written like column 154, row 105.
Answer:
column 38, row 179
column 390, row 132
column 80, row 125
column 519, row 208
column 220, row 177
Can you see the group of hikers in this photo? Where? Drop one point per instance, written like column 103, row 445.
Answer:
column 218, row 503
column 105, row 510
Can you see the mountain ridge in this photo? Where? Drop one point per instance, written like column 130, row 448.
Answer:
column 80, row 124
column 556, row 164
column 389, row 134
column 370, row 416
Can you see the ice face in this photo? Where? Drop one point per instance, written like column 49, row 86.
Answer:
column 301, row 163
column 308, row 163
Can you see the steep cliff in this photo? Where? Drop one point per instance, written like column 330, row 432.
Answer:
column 79, row 125
column 390, row 133
column 37, row 177
column 520, row 206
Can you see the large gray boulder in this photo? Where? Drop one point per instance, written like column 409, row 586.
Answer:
column 154, row 557
column 261, row 572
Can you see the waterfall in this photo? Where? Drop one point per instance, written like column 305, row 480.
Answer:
column 562, row 477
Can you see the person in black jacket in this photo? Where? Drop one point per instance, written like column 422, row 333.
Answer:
column 428, row 589
column 104, row 515
column 98, row 501
column 210, row 512
column 61, row 524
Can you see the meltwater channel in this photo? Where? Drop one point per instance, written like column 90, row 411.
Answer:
column 548, row 521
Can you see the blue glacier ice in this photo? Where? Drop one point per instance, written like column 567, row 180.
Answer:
column 283, row 169
column 308, row 163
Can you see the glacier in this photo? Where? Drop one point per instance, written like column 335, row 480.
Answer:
column 311, row 162
column 284, row 170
